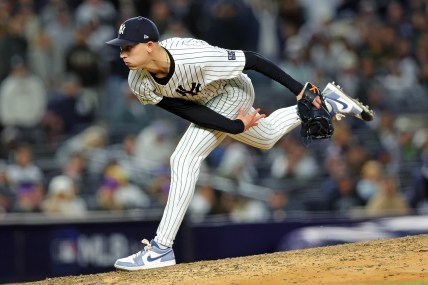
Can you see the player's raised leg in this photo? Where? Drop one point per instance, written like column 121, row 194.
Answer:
column 270, row 129
column 340, row 104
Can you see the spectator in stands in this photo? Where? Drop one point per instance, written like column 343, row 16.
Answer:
column 23, row 170
column 117, row 193
column 346, row 200
column 247, row 210
column 266, row 13
column 158, row 186
column 59, row 29
column 6, row 194
column 70, row 111
column 127, row 113
column 365, row 91
column 124, row 154
column 98, row 33
column 95, row 9
column 417, row 193
column 347, row 61
column 237, row 162
column 175, row 29
column 26, row 180
column 227, row 23
column 5, row 16
column 297, row 61
column 155, row 144
column 292, row 160
column 356, row 156
column 76, row 169
column 40, row 59
column 202, row 203
column 417, row 196
column 368, row 184
column 12, row 44
column 88, row 69
column 22, row 103
column 339, row 187
column 91, row 143
column 49, row 11
column 30, row 20
column 388, row 139
column 278, row 205
column 407, row 152
column 62, row 198
column 226, row 203
column 160, row 13
column 388, row 200
column 29, row 197
column 340, row 141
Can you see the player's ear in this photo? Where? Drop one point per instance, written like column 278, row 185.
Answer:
column 150, row 46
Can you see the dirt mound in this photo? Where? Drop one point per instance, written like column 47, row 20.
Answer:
column 381, row 261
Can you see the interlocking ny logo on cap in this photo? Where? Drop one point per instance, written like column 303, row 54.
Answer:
column 122, row 29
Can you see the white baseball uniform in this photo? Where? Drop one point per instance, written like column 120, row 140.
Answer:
column 213, row 77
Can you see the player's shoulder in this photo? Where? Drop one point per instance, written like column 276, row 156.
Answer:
column 178, row 43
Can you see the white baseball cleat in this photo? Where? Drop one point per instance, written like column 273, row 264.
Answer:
column 341, row 104
column 152, row 256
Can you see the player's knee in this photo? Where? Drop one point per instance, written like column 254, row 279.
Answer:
column 267, row 146
column 178, row 160
column 174, row 159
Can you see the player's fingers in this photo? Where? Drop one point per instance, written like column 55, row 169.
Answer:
column 256, row 116
column 317, row 102
column 256, row 111
column 259, row 117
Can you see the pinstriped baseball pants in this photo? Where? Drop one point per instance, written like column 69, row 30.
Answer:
column 197, row 143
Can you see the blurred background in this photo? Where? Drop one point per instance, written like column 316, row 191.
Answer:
column 84, row 167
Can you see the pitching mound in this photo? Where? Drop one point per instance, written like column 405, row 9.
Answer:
column 382, row 261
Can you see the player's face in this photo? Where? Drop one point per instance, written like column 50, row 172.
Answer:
column 134, row 56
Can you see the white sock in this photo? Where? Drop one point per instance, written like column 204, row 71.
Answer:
column 161, row 246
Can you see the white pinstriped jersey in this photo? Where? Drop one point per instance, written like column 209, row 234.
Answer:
column 200, row 72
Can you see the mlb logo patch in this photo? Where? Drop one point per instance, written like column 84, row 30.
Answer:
column 231, row 55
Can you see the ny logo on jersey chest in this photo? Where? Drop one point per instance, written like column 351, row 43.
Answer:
column 194, row 90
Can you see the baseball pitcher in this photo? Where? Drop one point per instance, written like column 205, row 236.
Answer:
column 206, row 85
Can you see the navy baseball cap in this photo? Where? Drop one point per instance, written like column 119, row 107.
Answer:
column 135, row 30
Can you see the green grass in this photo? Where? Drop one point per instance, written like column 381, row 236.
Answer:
column 406, row 283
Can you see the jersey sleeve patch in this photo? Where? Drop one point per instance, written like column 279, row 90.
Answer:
column 231, row 55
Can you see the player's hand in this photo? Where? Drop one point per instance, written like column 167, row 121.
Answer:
column 250, row 120
column 316, row 99
column 317, row 102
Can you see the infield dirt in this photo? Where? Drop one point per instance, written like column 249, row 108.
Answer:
column 389, row 261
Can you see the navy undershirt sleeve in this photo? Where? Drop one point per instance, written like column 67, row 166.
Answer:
column 257, row 62
column 201, row 115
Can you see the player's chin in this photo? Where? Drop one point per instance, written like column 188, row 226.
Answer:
column 129, row 65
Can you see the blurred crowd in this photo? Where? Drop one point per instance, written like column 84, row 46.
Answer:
column 74, row 139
